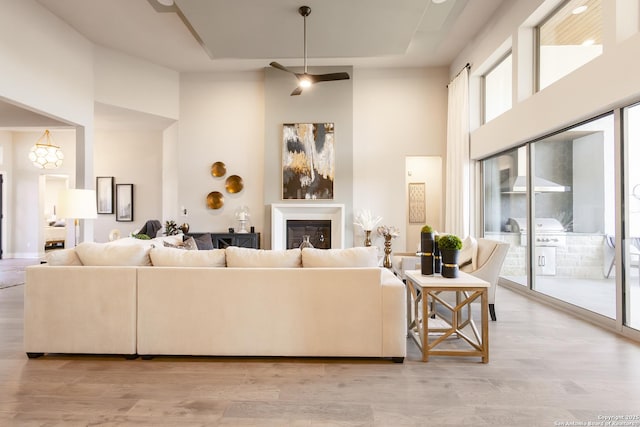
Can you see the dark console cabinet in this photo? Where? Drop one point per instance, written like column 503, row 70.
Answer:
column 243, row 240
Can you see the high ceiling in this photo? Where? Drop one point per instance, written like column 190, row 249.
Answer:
column 228, row 35
column 203, row 35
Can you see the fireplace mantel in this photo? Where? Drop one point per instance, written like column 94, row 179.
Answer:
column 282, row 212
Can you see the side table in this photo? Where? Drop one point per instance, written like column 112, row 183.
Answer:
column 425, row 295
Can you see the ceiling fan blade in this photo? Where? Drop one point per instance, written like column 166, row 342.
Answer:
column 317, row 78
column 281, row 67
column 305, row 79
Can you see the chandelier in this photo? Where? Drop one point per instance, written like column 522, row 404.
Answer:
column 46, row 155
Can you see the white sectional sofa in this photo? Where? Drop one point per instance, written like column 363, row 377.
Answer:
column 225, row 302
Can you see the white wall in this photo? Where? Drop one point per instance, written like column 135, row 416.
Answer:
column 6, row 169
column 397, row 113
column 170, row 178
column 131, row 157
column 46, row 65
column 427, row 170
column 221, row 119
column 135, row 84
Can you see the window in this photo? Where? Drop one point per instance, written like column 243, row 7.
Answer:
column 498, row 89
column 568, row 39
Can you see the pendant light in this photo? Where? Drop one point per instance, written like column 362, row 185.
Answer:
column 45, row 155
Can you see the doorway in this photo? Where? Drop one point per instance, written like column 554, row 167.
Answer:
column 423, row 186
column 54, row 232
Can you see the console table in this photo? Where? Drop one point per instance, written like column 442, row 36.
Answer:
column 423, row 317
column 222, row 240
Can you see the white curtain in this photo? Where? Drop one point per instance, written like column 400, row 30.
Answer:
column 457, row 184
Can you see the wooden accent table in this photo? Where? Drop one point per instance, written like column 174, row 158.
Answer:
column 423, row 299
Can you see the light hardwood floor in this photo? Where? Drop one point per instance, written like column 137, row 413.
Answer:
column 545, row 368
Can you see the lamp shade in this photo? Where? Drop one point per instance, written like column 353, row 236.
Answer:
column 77, row 204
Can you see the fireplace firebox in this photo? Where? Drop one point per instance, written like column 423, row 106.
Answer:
column 319, row 232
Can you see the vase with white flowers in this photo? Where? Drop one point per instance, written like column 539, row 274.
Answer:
column 367, row 222
column 388, row 232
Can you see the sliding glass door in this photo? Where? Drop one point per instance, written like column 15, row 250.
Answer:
column 574, row 216
column 505, row 209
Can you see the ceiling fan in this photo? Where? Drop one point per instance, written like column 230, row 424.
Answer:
column 305, row 79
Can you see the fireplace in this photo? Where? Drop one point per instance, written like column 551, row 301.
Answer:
column 318, row 230
column 321, row 221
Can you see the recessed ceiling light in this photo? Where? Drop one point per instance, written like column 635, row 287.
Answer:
column 588, row 42
column 165, row 2
column 578, row 10
column 438, row 1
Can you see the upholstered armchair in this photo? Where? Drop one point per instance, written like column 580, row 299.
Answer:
column 489, row 259
column 404, row 261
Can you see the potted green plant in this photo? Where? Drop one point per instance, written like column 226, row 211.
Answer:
column 450, row 246
column 426, row 250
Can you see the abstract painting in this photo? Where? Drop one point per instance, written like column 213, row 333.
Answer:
column 308, row 161
column 417, row 214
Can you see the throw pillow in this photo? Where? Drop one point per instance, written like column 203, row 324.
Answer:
column 91, row 253
column 203, row 242
column 63, row 257
column 191, row 245
column 247, row 257
column 168, row 257
column 174, row 240
column 351, row 257
column 468, row 254
column 171, row 245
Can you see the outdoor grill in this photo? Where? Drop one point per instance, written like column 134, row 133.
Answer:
column 549, row 235
column 549, row 231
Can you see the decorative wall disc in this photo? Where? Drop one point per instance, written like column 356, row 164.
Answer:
column 234, row 184
column 218, row 169
column 215, row 200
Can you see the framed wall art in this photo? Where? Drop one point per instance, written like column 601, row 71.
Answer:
column 417, row 214
column 308, row 161
column 104, row 194
column 124, row 202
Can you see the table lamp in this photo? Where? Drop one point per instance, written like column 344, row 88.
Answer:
column 77, row 204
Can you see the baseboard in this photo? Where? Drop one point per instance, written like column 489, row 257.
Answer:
column 28, row 255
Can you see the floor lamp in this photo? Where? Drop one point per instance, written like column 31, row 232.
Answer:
column 77, row 204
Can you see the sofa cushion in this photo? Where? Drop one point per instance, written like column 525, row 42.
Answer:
column 247, row 257
column 63, row 257
column 351, row 257
column 91, row 253
column 170, row 257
